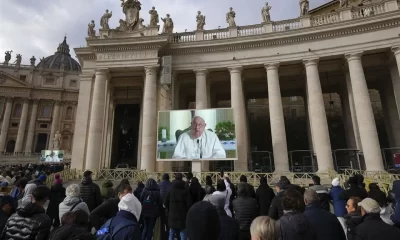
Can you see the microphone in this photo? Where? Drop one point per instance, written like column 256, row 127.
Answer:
column 201, row 148
column 199, row 145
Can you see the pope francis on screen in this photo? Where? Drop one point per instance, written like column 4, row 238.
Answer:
column 198, row 144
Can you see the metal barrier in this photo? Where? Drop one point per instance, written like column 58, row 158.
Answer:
column 389, row 155
column 262, row 161
column 303, row 161
column 346, row 159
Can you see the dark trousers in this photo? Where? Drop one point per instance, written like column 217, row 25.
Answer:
column 164, row 227
column 148, row 227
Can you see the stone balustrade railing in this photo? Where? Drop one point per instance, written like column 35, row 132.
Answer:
column 286, row 25
column 251, row 30
column 369, row 10
column 216, row 34
column 325, row 19
column 184, row 37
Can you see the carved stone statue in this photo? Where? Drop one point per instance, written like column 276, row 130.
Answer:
column 57, row 140
column 33, row 61
column 230, row 18
column 91, row 31
column 265, row 13
column 304, row 7
column 344, row 3
column 168, row 24
column 104, row 19
column 131, row 9
column 140, row 23
column 19, row 60
column 201, row 21
column 154, row 18
column 122, row 26
column 7, row 57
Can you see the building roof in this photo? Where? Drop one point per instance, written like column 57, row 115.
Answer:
column 61, row 59
column 330, row 3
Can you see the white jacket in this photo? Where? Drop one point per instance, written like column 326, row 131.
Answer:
column 69, row 202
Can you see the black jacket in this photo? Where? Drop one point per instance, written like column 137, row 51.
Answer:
column 90, row 193
column 57, row 195
column 102, row 213
column 151, row 199
column 264, row 197
column 3, row 219
column 177, row 202
column 230, row 229
column 374, row 228
column 246, row 210
column 30, row 222
column 353, row 219
column 276, row 211
column 73, row 231
column 250, row 190
column 354, row 191
column 294, row 226
column 325, row 224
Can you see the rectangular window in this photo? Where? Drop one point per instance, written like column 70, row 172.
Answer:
column 22, row 78
column 72, row 83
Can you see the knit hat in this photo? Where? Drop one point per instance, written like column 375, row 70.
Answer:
column 335, row 182
column 370, row 205
column 202, row 222
column 131, row 204
column 42, row 178
column 57, row 179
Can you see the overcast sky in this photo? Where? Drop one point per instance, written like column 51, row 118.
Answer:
column 36, row 27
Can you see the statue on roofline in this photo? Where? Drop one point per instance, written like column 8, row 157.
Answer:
column 265, row 13
column 230, row 18
column 168, row 24
column 201, row 21
column 304, row 7
column 7, row 58
column 91, row 31
column 131, row 9
column 154, row 18
column 104, row 20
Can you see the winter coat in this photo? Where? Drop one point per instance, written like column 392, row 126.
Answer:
column 373, row 228
column 250, row 190
column 325, row 224
column 69, row 202
column 197, row 193
column 3, row 219
column 264, row 197
column 151, row 199
column 354, row 191
column 102, row 213
column 352, row 220
column 323, row 195
column 30, row 222
column 106, row 190
column 230, row 229
column 164, row 186
column 90, row 193
column 276, row 210
column 129, row 232
column 245, row 210
column 57, row 195
column 294, row 226
column 177, row 202
column 339, row 205
column 396, row 216
column 138, row 192
column 73, row 231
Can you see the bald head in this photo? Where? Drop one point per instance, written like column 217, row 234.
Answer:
column 310, row 196
column 198, row 125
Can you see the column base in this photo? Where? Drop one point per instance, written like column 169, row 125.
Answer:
column 196, row 168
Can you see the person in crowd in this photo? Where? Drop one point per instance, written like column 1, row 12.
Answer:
column 107, row 190
column 396, row 216
column 209, row 192
column 40, row 181
column 125, row 225
column 177, row 202
column 197, row 193
column 74, row 226
column 379, row 196
column 189, row 177
column 203, row 222
column 57, row 195
column 264, row 228
column 109, row 208
column 90, row 191
column 7, row 207
column 18, row 190
column 138, row 190
column 209, row 183
column 293, row 224
column 165, row 186
column 223, row 188
column 245, row 209
column 360, row 180
column 264, row 197
column 352, row 219
column 373, row 227
column 27, row 197
column 30, row 221
column 233, row 190
column 250, row 190
column 72, row 201
column 325, row 224
column 322, row 191
column 124, row 181
column 230, row 229
column 151, row 207
column 354, row 190
column 276, row 210
column 339, row 205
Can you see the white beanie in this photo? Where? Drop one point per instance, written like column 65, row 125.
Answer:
column 335, row 182
column 131, row 204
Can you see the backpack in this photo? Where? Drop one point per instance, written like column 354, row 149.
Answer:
column 108, row 233
column 149, row 202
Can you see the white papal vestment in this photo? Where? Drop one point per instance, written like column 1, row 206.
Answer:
column 206, row 146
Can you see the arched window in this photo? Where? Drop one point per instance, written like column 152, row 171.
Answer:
column 46, row 111
column 68, row 114
column 17, row 110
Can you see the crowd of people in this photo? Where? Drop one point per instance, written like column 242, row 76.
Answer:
column 182, row 209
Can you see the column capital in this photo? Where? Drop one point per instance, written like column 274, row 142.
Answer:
column 310, row 61
column 396, row 50
column 26, row 100
column 102, row 71
column 35, row 101
column 353, row 56
column 200, row 72
column 151, row 70
column 271, row 66
column 10, row 99
column 235, row 69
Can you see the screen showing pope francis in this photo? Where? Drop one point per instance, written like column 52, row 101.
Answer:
column 186, row 135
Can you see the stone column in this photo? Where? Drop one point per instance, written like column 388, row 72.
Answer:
column 277, row 120
column 365, row 115
column 31, row 127
column 353, row 114
column 22, row 126
column 6, row 124
column 164, row 101
column 394, row 72
column 149, row 124
column 96, row 121
column 237, row 103
column 54, row 123
column 317, row 116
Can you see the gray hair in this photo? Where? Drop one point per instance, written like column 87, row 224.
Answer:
column 311, row 196
column 72, row 190
column 202, row 119
column 264, row 228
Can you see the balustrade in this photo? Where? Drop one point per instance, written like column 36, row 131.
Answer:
column 183, row 37
column 216, row 34
column 286, row 25
column 325, row 19
column 368, row 10
column 251, row 30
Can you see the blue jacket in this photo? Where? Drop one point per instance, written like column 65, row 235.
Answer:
column 127, row 233
column 339, row 205
column 164, row 186
column 396, row 216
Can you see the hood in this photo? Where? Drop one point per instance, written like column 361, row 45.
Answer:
column 107, row 184
column 130, row 204
column 396, row 189
column 296, row 222
column 178, row 184
column 69, row 201
column 30, row 210
column 86, row 180
column 151, row 184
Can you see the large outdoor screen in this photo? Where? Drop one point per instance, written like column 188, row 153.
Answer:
column 52, row 156
column 186, row 135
